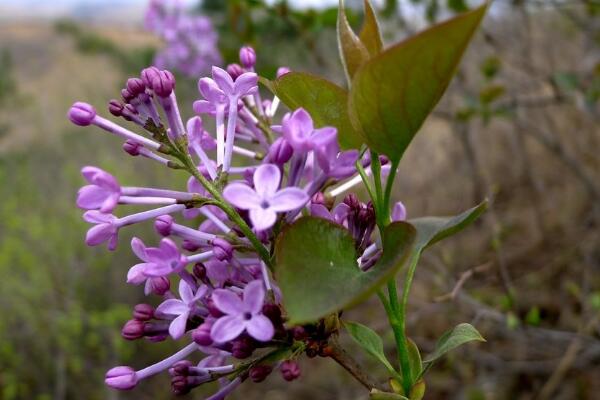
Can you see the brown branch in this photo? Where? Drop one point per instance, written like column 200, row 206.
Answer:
column 461, row 281
column 341, row 356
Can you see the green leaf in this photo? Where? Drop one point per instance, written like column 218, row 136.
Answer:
column 414, row 358
column 461, row 334
column 353, row 52
column 370, row 341
column 325, row 102
column 392, row 93
column 316, row 266
column 369, row 34
column 379, row 395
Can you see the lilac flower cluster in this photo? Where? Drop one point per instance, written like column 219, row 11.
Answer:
column 226, row 306
column 191, row 41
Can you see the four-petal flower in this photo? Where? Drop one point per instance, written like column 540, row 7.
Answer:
column 181, row 308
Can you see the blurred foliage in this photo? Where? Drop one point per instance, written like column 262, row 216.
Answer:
column 88, row 42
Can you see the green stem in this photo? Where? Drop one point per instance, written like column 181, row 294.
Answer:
column 365, row 179
column 388, row 188
column 397, row 320
column 378, row 202
column 230, row 211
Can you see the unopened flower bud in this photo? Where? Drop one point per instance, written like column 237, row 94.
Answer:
column 135, row 86
column 281, row 71
column 299, row 333
column 212, row 309
column 399, row 212
column 247, row 57
column 163, row 83
column 234, row 70
column 352, row 201
column 122, row 378
column 160, row 285
column 181, row 368
column 273, row 312
column 163, row 225
column 143, row 312
column 201, row 335
column 222, row 249
column 132, row 148
column 189, row 245
column 148, row 75
column 242, row 348
column 115, row 107
column 81, row 114
column 199, row 271
column 259, row 373
column 280, row 151
column 290, row 370
column 179, row 385
column 127, row 95
column 133, row 330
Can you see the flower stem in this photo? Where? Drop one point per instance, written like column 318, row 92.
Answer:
column 230, row 211
column 341, row 356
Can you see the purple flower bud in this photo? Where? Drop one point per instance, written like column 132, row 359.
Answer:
column 163, row 83
column 399, row 212
column 148, row 75
column 247, row 57
column 115, row 107
column 163, row 225
column 189, row 245
column 132, row 148
column 222, row 249
column 159, row 285
column 127, row 95
column 235, row 70
column 135, row 86
column 273, row 312
column 281, row 71
column 352, row 201
column 260, row 372
column 199, row 271
column 290, row 370
column 201, row 334
column 212, row 309
column 318, row 198
column 243, row 347
column 133, row 330
column 81, row 114
column 180, row 386
column 280, row 151
column 181, row 368
column 122, row 378
column 143, row 312
column 299, row 333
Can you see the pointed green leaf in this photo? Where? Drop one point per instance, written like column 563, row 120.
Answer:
column 353, row 52
column 431, row 230
column 324, row 100
column 370, row 341
column 369, row 34
column 317, row 270
column 414, row 357
column 461, row 334
column 392, row 93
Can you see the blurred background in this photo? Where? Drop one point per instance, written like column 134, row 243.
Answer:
column 519, row 125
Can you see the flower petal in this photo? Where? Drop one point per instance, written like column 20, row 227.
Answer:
column 288, row 199
column 254, row 297
column 136, row 275
column 227, row 328
column 139, row 248
column 186, row 293
column 245, row 83
column 223, row 79
column 262, row 218
column 228, row 302
column 241, row 196
column 172, row 307
column 177, row 327
column 266, row 180
column 91, row 197
column 260, row 328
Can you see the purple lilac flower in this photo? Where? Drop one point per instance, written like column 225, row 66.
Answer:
column 265, row 200
column 241, row 314
column 205, row 229
column 190, row 40
column 181, row 308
